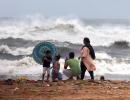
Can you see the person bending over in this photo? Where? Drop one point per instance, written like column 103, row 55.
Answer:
column 73, row 64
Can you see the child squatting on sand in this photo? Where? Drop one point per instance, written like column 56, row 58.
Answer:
column 55, row 71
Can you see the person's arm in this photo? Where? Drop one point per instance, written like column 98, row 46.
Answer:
column 84, row 53
column 66, row 64
column 58, row 66
column 79, row 57
column 48, row 59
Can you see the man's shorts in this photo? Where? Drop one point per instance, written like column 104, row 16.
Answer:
column 46, row 69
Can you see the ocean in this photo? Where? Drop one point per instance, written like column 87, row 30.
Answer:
column 109, row 37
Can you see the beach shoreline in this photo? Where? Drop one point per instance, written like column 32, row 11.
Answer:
column 65, row 90
column 36, row 77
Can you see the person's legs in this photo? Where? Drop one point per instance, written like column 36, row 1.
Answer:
column 78, row 77
column 55, row 75
column 68, row 73
column 83, row 70
column 48, row 74
column 91, row 74
column 44, row 72
column 59, row 76
column 43, row 77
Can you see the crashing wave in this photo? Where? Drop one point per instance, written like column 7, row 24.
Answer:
column 72, row 30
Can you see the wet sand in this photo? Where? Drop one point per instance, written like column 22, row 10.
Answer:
column 66, row 90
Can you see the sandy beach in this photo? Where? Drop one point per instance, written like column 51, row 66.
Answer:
column 66, row 90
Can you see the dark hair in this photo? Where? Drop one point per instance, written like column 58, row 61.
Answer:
column 57, row 57
column 86, row 40
column 71, row 55
column 48, row 52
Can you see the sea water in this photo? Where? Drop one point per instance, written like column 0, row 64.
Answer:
column 18, row 37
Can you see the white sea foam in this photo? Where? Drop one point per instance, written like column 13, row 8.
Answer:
column 63, row 29
column 24, row 66
column 27, row 66
column 102, row 55
column 16, row 51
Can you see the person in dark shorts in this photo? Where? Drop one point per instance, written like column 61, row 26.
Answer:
column 47, row 59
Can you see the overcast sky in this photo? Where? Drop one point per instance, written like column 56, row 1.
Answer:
column 54, row 8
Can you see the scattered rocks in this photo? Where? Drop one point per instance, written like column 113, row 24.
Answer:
column 8, row 82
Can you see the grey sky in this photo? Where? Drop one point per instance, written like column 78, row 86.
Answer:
column 81, row 8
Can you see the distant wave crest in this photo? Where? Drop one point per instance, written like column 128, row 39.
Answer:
column 17, row 42
column 120, row 44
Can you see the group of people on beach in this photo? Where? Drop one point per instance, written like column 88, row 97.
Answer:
column 77, row 67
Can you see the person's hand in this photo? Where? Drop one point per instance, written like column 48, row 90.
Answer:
column 66, row 59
